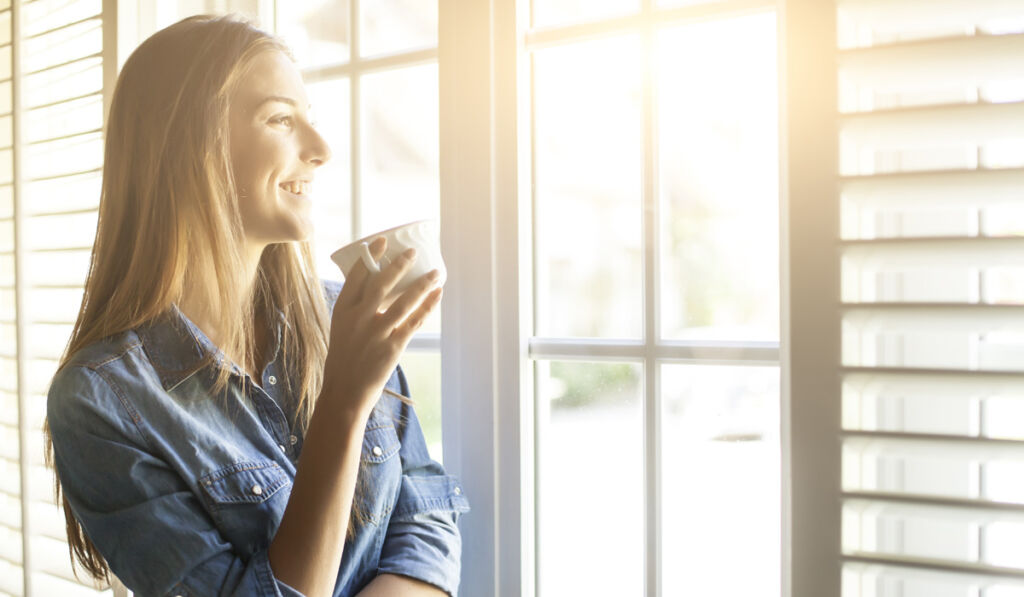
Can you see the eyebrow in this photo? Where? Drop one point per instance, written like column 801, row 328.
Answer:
column 279, row 98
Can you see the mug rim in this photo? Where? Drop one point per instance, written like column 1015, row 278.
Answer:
column 370, row 237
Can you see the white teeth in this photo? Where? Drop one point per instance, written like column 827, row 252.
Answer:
column 296, row 188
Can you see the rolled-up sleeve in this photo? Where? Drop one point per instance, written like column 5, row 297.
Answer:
column 422, row 539
column 140, row 514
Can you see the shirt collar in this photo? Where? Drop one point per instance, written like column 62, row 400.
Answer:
column 178, row 348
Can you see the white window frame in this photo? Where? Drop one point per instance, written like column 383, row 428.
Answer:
column 811, row 388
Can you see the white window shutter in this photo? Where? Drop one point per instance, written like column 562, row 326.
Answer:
column 931, row 250
column 51, row 152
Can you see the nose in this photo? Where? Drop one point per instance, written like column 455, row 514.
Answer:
column 315, row 151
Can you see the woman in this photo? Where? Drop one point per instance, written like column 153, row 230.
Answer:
column 222, row 423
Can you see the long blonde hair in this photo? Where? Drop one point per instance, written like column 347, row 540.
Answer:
column 169, row 220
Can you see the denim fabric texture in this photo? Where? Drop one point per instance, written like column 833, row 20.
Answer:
column 182, row 490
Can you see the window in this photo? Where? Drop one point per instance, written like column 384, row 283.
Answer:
column 654, row 192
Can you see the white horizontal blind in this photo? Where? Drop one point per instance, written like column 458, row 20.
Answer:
column 51, row 152
column 931, row 133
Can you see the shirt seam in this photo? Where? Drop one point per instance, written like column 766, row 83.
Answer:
column 122, row 398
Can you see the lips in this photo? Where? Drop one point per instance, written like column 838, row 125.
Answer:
column 296, row 187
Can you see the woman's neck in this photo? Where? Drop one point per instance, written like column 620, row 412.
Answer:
column 209, row 317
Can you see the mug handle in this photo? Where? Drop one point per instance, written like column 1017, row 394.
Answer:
column 364, row 254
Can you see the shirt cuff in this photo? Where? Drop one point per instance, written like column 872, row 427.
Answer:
column 269, row 584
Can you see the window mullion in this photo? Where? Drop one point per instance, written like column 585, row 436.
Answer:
column 651, row 320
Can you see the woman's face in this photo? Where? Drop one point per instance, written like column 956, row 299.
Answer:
column 274, row 151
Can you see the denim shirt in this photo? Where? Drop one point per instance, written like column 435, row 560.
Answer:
column 182, row 490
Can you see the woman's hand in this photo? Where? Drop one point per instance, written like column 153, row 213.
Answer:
column 366, row 341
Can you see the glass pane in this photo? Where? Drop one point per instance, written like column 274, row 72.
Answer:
column 588, row 185
column 547, row 13
column 721, row 458
column 589, row 478
column 423, row 371
column 399, row 160
column 332, row 197
column 391, row 26
column 399, row 153
column 315, row 30
column 718, row 179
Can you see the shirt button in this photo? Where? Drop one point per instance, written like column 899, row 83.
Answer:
column 272, row 380
column 458, row 491
column 377, row 451
column 293, row 440
column 257, row 490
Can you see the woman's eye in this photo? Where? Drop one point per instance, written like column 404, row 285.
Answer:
column 287, row 121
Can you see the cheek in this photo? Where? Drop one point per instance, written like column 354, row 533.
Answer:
column 252, row 162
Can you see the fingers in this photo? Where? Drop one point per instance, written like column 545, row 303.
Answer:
column 381, row 284
column 404, row 305
column 358, row 274
column 403, row 333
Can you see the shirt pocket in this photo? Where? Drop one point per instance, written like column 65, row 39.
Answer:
column 380, row 470
column 380, row 443
column 247, row 501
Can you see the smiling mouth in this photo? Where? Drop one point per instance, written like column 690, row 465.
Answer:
column 296, row 187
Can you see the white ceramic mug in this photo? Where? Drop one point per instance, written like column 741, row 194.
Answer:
column 422, row 235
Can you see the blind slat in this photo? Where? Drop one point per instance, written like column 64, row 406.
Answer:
column 931, row 190
column 968, row 384
column 930, row 252
column 933, row 446
column 943, row 577
column 1012, row 511
column 935, row 564
column 972, row 60
column 902, row 317
column 950, row 512
column 926, row 127
column 925, row 14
